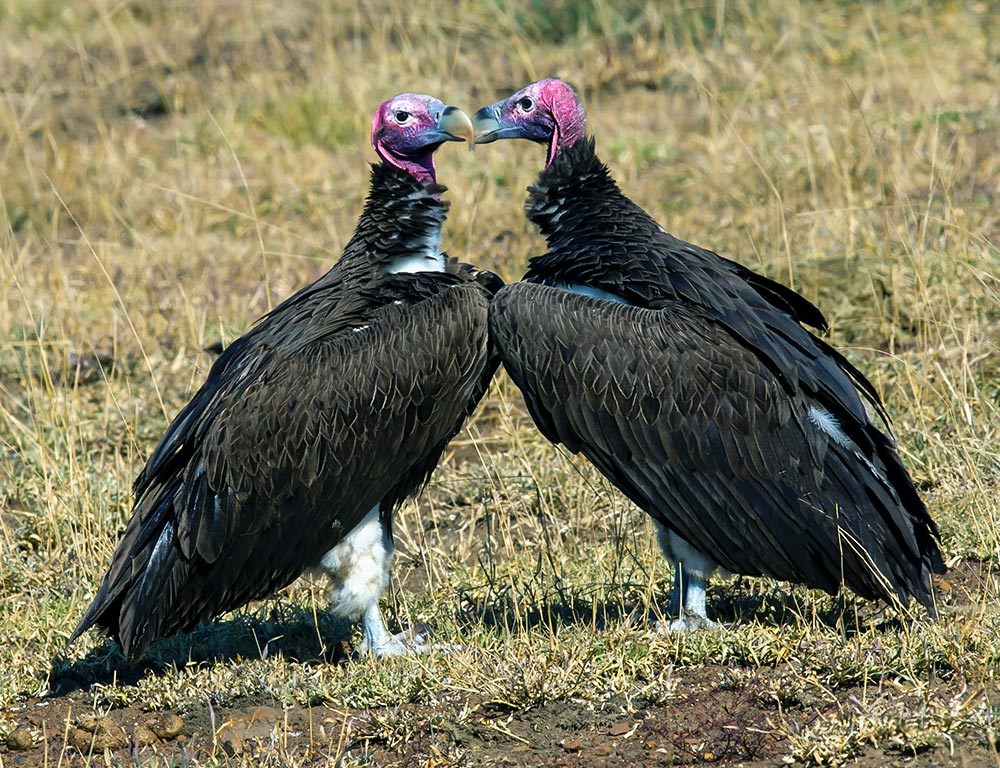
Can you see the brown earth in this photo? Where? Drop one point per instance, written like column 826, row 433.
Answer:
column 710, row 716
column 714, row 714
column 719, row 715
column 704, row 722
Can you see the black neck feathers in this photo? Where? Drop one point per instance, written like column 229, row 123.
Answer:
column 572, row 187
column 591, row 228
column 401, row 217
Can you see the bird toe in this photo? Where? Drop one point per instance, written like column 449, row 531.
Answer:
column 688, row 623
column 409, row 642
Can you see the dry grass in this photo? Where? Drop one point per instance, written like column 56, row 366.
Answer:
column 171, row 170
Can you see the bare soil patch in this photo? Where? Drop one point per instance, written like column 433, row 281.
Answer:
column 714, row 714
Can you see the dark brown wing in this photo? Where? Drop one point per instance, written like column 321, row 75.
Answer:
column 698, row 432
column 286, row 454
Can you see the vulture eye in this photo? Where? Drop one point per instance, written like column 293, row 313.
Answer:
column 526, row 104
column 401, row 116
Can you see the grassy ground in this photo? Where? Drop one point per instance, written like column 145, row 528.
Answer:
column 171, row 170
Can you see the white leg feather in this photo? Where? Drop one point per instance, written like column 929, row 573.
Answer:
column 359, row 567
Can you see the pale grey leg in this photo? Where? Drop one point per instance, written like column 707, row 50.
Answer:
column 691, row 572
column 379, row 642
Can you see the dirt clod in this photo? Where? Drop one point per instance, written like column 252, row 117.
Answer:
column 98, row 734
column 143, row 736
column 572, row 745
column 165, row 725
column 21, row 739
column 79, row 738
column 620, row 729
column 231, row 744
column 87, row 723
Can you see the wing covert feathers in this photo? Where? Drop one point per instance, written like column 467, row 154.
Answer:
column 284, row 450
column 700, row 433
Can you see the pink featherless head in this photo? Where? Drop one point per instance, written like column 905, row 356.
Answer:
column 408, row 128
column 547, row 111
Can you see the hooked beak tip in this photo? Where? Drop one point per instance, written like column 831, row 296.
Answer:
column 456, row 125
column 486, row 121
column 486, row 127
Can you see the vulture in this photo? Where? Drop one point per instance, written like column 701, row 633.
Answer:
column 313, row 426
column 691, row 383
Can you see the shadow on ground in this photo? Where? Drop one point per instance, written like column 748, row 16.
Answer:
column 296, row 633
column 521, row 607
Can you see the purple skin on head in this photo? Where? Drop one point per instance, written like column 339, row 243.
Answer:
column 546, row 112
column 408, row 128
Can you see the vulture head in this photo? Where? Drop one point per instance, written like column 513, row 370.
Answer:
column 546, row 112
column 408, row 128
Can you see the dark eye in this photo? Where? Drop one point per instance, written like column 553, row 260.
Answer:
column 401, row 116
column 526, row 104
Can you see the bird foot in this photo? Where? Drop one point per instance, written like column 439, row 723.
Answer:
column 407, row 643
column 689, row 623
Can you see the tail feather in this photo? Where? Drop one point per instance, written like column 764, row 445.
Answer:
column 141, row 583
